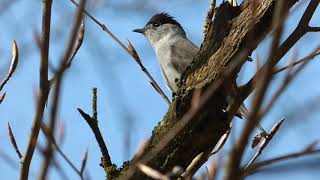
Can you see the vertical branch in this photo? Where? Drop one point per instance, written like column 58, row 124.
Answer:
column 94, row 104
column 56, row 94
column 44, row 91
column 93, row 124
column 233, row 168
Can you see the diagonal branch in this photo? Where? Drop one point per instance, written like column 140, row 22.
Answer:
column 13, row 141
column 128, row 50
column 48, row 134
column 266, row 141
column 309, row 150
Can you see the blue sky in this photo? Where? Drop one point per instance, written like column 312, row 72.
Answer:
column 128, row 107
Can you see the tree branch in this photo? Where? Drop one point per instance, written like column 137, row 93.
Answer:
column 309, row 150
column 44, row 91
column 186, row 131
column 49, row 151
column 106, row 162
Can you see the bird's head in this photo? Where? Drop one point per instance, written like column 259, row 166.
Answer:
column 159, row 26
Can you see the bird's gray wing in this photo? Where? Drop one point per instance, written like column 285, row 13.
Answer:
column 184, row 51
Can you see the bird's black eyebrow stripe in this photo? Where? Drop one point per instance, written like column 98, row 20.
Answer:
column 163, row 18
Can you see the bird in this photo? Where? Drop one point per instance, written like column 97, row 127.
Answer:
column 174, row 51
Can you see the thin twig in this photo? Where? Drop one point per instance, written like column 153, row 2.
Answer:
column 54, row 162
column 266, row 141
column 14, row 62
column 288, row 79
column 93, row 124
column 13, row 142
column 154, row 84
column 307, row 58
column 48, row 134
column 203, row 157
column 314, row 29
column 294, row 37
column 94, row 105
column 78, row 44
column 196, row 163
column 105, row 29
column 49, row 151
column 2, row 97
column 309, row 150
column 84, row 162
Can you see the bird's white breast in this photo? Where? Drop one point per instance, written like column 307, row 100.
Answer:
column 165, row 57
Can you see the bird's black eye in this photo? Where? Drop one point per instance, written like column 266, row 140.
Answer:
column 156, row 24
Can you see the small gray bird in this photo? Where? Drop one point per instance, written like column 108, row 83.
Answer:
column 173, row 49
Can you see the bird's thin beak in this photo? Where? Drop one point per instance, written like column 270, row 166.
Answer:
column 139, row 30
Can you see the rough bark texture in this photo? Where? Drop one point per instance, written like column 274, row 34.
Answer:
column 234, row 34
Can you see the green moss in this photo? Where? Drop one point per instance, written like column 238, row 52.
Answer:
column 111, row 171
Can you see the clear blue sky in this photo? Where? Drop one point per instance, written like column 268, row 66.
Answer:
column 128, row 107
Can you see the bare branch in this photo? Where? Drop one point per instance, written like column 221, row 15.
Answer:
column 93, row 124
column 2, row 97
column 84, row 162
column 203, row 157
column 103, row 27
column 307, row 58
column 48, row 134
column 233, row 168
column 44, row 90
column 314, row 29
column 282, row 50
column 49, row 151
column 309, row 150
column 55, row 163
column 266, row 141
column 289, row 77
column 14, row 62
column 294, row 37
column 129, row 51
column 94, row 105
column 78, row 43
column 13, row 141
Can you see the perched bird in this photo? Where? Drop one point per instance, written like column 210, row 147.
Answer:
column 173, row 49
